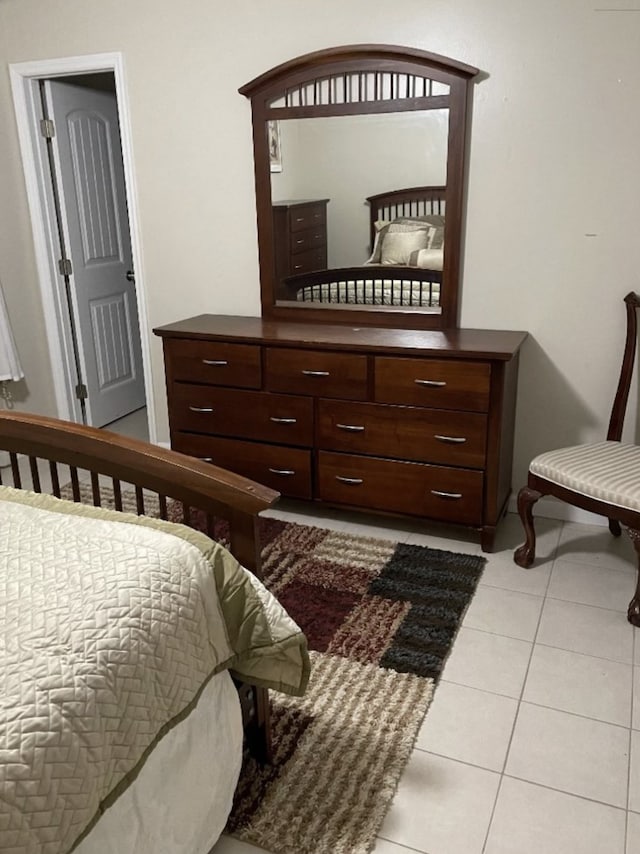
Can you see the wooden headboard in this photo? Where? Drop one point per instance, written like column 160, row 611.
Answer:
column 412, row 201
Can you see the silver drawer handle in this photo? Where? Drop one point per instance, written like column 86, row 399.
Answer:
column 216, row 362
column 352, row 480
column 455, row 495
column 452, row 440
column 297, row 266
column 351, row 428
column 201, row 408
column 300, row 219
column 285, row 472
column 206, row 459
column 283, row 420
column 430, row 383
column 299, row 242
column 316, row 373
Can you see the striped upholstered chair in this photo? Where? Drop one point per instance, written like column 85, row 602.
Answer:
column 602, row 478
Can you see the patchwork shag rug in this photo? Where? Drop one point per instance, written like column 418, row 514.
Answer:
column 380, row 618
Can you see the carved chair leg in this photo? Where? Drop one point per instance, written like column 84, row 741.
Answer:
column 633, row 613
column 527, row 497
column 614, row 527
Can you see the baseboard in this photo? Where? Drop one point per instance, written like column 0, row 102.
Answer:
column 166, row 445
column 550, row 508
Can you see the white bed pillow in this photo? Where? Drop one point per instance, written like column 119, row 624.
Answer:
column 398, row 246
column 383, row 228
column 427, row 259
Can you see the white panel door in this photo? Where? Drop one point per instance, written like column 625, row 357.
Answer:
column 88, row 159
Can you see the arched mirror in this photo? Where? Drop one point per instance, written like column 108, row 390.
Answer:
column 359, row 161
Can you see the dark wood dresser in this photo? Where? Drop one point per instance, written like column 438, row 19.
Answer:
column 299, row 236
column 400, row 421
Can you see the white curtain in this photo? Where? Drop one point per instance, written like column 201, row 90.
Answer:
column 10, row 368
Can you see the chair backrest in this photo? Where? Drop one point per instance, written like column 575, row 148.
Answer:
column 619, row 408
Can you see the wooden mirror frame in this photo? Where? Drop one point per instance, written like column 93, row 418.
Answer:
column 285, row 82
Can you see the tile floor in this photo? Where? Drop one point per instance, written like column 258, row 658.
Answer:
column 532, row 744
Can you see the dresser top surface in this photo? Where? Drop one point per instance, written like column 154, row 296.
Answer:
column 469, row 343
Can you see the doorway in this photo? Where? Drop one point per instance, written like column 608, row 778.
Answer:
column 74, row 135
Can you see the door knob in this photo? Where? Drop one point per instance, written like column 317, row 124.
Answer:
column 130, row 277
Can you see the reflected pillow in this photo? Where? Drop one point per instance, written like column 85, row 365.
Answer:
column 398, row 246
column 427, row 259
column 383, row 227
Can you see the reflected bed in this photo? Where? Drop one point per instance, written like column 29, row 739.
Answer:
column 406, row 261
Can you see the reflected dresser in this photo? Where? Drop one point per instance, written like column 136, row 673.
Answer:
column 410, row 422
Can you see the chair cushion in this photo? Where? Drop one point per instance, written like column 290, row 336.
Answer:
column 608, row 471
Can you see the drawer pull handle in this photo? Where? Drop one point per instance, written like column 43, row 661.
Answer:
column 283, row 472
column 283, row 420
column 454, row 495
column 316, row 373
column 431, row 383
column 354, row 481
column 215, row 362
column 299, row 242
column 351, row 428
column 201, row 408
column 297, row 266
column 206, row 459
column 452, row 440
column 300, row 219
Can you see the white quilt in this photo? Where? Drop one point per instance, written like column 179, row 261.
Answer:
column 108, row 631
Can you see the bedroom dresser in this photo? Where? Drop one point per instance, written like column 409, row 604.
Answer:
column 412, row 422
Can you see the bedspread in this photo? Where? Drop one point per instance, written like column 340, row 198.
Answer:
column 109, row 630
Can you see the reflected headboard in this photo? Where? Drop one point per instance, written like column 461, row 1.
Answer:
column 410, row 202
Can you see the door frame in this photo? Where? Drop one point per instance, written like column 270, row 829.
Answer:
column 25, row 79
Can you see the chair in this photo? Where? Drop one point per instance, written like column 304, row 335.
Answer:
column 602, row 478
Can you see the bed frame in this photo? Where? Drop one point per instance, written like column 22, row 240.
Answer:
column 92, row 455
column 347, row 285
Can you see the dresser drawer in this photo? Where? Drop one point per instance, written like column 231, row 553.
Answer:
column 311, row 238
column 288, row 470
column 313, row 372
column 278, row 418
column 214, row 362
column 403, row 432
column 305, row 262
column 442, row 384
column 307, row 216
column 439, row 492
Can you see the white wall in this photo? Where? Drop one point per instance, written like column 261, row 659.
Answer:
column 554, row 181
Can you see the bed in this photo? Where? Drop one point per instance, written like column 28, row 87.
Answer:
column 136, row 653
column 406, row 261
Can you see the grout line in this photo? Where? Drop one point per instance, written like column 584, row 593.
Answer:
column 402, row 847
column 517, row 714
column 564, row 792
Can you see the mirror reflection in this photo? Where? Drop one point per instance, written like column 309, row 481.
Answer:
column 336, row 207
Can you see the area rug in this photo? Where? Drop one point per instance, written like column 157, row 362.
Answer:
column 380, row 618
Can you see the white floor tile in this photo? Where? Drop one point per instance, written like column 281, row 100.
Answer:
column 383, row 846
column 441, row 806
column 576, row 755
column 591, row 585
column 583, row 628
column 634, row 776
column 489, row 662
column 447, row 538
column 470, row 725
column 594, row 544
column 533, row 820
column 633, row 833
column 636, row 697
column 504, row 612
column 501, row 571
column 593, row 687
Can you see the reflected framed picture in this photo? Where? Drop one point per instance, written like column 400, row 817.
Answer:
column 275, row 146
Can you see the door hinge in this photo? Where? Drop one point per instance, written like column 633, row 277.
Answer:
column 47, row 128
column 64, row 265
column 81, row 391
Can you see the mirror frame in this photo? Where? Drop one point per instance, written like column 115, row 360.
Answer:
column 279, row 83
